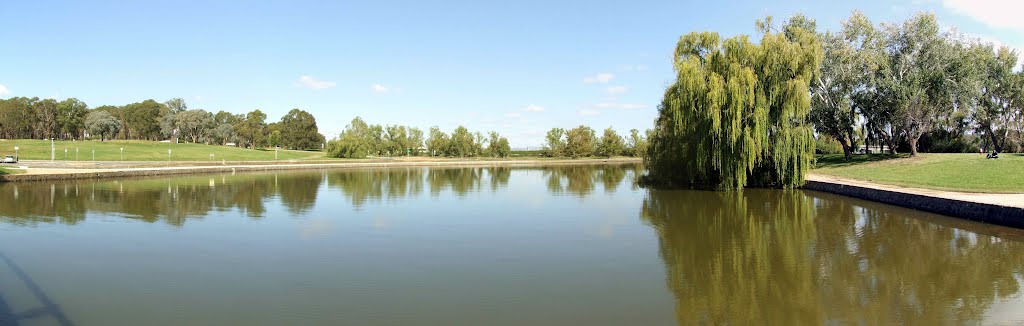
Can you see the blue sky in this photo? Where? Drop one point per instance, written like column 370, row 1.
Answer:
column 517, row 67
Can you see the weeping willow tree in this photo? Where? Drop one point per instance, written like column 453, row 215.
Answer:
column 736, row 114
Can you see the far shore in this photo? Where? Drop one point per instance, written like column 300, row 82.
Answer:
column 65, row 170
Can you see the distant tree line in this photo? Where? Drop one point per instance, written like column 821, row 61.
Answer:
column 583, row 142
column 22, row 117
column 360, row 140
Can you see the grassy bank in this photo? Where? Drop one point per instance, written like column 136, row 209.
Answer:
column 954, row 172
column 137, row 150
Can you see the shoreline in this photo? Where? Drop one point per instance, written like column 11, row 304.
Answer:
column 999, row 209
column 71, row 172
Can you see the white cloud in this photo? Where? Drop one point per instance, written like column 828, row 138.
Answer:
column 513, row 115
column 602, row 78
column 588, row 112
column 3, row 90
column 994, row 13
column 620, row 106
column 534, row 108
column 616, row 90
column 380, row 89
column 313, row 83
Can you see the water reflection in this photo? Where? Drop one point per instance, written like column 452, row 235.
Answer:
column 176, row 199
column 801, row 258
column 581, row 180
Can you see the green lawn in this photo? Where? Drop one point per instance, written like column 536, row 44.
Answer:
column 956, row 172
column 137, row 150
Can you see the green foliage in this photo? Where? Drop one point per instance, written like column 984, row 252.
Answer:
column 825, row 144
column 46, row 118
column 360, row 140
column 924, row 76
column 437, row 142
column 223, row 134
column 736, row 114
column 498, row 146
column 945, row 141
column 611, row 144
column 461, row 143
column 299, row 131
column 71, row 118
column 849, row 58
column 140, row 120
column 102, row 123
column 252, row 129
column 580, row 142
column 554, row 145
column 274, row 139
column 636, row 145
column 17, row 119
column 355, row 141
column 193, row 124
column 1001, row 102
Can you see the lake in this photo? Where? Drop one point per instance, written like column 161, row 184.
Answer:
column 560, row 245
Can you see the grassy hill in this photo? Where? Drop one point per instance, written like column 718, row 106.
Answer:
column 138, row 150
column 955, row 172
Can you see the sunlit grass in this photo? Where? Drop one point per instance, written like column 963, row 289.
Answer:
column 955, row 172
column 138, row 150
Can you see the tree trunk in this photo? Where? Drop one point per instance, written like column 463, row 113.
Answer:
column 995, row 142
column 913, row 145
column 847, row 148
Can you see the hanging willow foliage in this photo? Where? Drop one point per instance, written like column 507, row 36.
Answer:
column 736, row 114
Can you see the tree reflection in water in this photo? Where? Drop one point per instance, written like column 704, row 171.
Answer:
column 804, row 258
column 175, row 199
column 581, row 180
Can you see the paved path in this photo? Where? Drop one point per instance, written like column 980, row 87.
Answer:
column 1009, row 200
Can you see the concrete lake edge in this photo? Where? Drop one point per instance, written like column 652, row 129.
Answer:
column 969, row 210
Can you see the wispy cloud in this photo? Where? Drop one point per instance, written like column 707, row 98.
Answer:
column 380, row 89
column 3, row 90
column 620, row 106
column 588, row 112
column 994, row 13
column 313, row 83
column 602, row 78
column 513, row 115
column 534, row 108
column 616, row 90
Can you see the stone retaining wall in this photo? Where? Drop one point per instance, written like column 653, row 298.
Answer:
column 985, row 213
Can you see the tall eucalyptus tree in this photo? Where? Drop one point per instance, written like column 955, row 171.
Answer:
column 850, row 56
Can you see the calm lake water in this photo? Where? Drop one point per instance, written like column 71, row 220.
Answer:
column 568, row 245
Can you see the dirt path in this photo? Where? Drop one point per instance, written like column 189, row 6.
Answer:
column 1009, row 200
